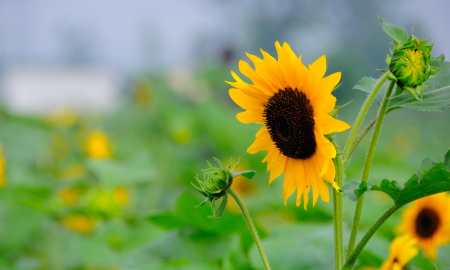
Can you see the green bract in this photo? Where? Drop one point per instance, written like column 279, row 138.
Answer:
column 410, row 65
column 216, row 182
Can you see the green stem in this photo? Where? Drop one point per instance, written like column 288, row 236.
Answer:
column 361, row 116
column 338, row 209
column 359, row 138
column 367, row 166
column 359, row 248
column 251, row 226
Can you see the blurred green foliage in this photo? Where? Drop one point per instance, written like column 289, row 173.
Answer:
column 137, row 207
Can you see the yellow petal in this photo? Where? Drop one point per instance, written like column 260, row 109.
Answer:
column 244, row 101
column 289, row 180
column 330, row 174
column 278, row 166
column 300, row 179
column 248, row 117
column 245, row 69
column 262, row 142
column 334, row 125
column 328, row 83
column 319, row 67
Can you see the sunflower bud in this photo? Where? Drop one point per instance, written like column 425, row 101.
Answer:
column 410, row 65
column 216, row 182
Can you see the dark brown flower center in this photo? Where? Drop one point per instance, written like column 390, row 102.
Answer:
column 289, row 120
column 427, row 223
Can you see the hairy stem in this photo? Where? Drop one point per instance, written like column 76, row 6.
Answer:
column 338, row 209
column 361, row 116
column 359, row 248
column 359, row 138
column 367, row 166
column 251, row 226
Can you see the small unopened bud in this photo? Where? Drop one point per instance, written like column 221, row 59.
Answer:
column 216, row 182
column 410, row 65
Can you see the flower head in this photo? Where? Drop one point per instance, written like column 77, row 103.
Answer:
column 410, row 65
column 401, row 251
column 293, row 103
column 80, row 223
column 428, row 221
column 97, row 146
column 216, row 182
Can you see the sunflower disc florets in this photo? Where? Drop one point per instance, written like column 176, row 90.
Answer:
column 410, row 65
column 216, row 182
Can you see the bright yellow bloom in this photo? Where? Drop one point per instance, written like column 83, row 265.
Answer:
column 2, row 170
column 97, row 146
column 428, row 221
column 69, row 196
column 121, row 196
column 293, row 103
column 402, row 251
column 79, row 223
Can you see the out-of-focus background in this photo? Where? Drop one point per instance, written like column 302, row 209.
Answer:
column 110, row 108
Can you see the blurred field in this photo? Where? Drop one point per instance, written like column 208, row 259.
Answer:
column 113, row 191
column 106, row 184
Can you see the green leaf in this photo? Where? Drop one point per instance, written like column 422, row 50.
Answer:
column 353, row 190
column 435, row 98
column 432, row 180
column 394, row 31
column 248, row 174
column 305, row 246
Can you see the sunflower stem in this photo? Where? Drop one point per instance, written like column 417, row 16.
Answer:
column 367, row 166
column 358, row 139
column 361, row 116
column 359, row 248
column 251, row 226
column 338, row 209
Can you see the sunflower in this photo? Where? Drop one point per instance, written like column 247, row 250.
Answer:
column 428, row 221
column 402, row 250
column 293, row 103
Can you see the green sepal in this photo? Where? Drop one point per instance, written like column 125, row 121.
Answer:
column 336, row 87
column 202, row 203
column 336, row 109
column 248, row 174
column 221, row 209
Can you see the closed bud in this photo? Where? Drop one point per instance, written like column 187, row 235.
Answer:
column 216, row 182
column 410, row 65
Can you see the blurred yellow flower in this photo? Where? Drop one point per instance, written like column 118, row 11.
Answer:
column 73, row 172
column 97, row 146
column 428, row 221
column 121, row 196
column 2, row 169
column 69, row 196
column 79, row 223
column 402, row 250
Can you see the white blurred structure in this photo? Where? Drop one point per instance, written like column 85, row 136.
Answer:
column 42, row 90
